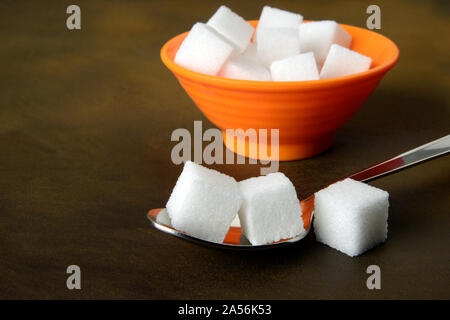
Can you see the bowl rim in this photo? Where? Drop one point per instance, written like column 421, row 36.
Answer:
column 280, row 85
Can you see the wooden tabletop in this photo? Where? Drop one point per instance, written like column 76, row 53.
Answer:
column 85, row 123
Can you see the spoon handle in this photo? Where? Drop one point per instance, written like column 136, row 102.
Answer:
column 415, row 156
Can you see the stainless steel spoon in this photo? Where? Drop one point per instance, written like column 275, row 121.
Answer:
column 236, row 240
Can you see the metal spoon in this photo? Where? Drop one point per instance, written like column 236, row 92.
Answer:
column 236, row 240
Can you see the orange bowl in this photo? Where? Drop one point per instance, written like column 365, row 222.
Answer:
column 307, row 113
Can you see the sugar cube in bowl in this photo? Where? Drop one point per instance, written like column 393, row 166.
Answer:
column 277, row 18
column 204, row 50
column 276, row 43
column 245, row 68
column 341, row 62
column 233, row 27
column 318, row 36
column 295, row 68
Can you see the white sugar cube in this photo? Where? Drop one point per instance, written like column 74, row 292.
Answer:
column 204, row 202
column 277, row 43
column 351, row 216
column 277, row 18
column 163, row 218
column 342, row 62
column 203, row 50
column 244, row 68
column 233, row 27
column 251, row 52
column 271, row 210
column 318, row 36
column 295, row 68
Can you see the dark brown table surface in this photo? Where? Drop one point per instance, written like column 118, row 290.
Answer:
column 85, row 124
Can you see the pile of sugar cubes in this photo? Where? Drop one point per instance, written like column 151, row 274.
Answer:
column 349, row 216
column 283, row 48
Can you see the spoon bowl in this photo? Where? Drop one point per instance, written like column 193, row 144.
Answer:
column 234, row 239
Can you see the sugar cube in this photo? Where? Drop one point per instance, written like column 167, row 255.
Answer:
column 351, row 216
column 233, row 27
column 244, row 68
column 342, row 62
column 295, row 68
column 251, row 51
column 204, row 50
column 271, row 210
column 204, row 202
column 277, row 43
column 163, row 218
column 277, row 18
column 318, row 36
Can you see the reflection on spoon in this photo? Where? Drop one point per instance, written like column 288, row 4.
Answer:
column 234, row 239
